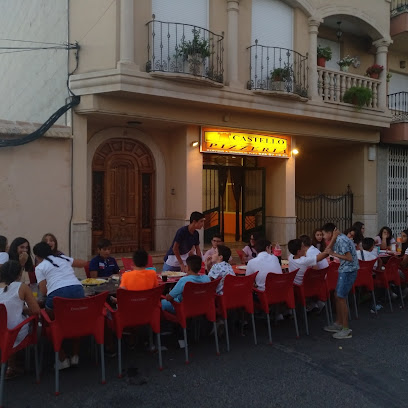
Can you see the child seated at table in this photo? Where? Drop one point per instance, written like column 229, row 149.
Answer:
column 15, row 295
column 176, row 294
column 299, row 260
column 103, row 265
column 221, row 268
column 141, row 278
column 264, row 263
column 368, row 253
column 4, row 256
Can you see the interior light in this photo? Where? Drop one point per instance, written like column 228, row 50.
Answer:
column 194, row 144
column 295, row 151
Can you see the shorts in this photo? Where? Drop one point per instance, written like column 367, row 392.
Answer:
column 167, row 267
column 69, row 292
column 345, row 283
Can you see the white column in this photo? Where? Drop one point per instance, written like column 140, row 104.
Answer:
column 381, row 59
column 312, row 58
column 80, row 225
column 127, row 36
column 232, row 43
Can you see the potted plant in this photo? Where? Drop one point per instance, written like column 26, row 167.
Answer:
column 345, row 63
column 195, row 51
column 323, row 55
column 279, row 76
column 374, row 71
column 358, row 95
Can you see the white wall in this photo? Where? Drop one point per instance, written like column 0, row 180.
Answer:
column 33, row 83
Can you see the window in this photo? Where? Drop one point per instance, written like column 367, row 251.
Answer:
column 335, row 47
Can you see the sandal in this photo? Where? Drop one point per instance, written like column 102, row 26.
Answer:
column 11, row 373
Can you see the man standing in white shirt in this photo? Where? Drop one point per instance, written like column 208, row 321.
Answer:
column 264, row 263
column 299, row 260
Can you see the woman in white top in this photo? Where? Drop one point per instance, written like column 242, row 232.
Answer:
column 56, row 277
column 14, row 294
column 4, row 256
column 384, row 238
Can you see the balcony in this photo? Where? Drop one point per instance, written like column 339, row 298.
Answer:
column 185, row 52
column 398, row 131
column 333, row 84
column 278, row 71
column 399, row 17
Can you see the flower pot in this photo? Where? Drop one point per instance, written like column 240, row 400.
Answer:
column 321, row 61
column 276, row 85
column 344, row 68
column 196, row 64
column 375, row 75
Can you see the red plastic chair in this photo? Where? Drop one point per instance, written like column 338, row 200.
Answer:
column 129, row 266
column 76, row 318
column 241, row 255
column 331, row 283
column 390, row 274
column 136, row 308
column 314, row 285
column 86, row 269
column 198, row 300
column 7, row 339
column 237, row 293
column 364, row 279
column 278, row 289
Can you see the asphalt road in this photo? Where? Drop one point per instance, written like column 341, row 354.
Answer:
column 369, row 370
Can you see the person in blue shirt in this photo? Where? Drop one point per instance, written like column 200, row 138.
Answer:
column 185, row 241
column 103, row 265
column 344, row 249
column 176, row 294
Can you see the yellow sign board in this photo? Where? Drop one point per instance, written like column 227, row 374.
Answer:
column 229, row 141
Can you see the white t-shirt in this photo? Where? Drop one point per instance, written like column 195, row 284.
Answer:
column 4, row 257
column 264, row 263
column 303, row 264
column 378, row 241
column 313, row 251
column 56, row 277
column 368, row 256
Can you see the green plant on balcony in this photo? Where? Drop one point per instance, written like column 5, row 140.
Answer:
column 323, row 54
column 345, row 62
column 374, row 71
column 194, row 51
column 358, row 96
column 281, row 74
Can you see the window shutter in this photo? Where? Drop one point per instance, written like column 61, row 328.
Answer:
column 194, row 12
column 272, row 23
column 398, row 83
column 335, row 47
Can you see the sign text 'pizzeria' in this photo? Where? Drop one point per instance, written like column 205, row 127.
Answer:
column 228, row 141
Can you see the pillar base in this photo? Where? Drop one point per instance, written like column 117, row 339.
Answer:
column 81, row 240
column 280, row 229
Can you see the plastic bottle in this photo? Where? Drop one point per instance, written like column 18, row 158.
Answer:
column 399, row 244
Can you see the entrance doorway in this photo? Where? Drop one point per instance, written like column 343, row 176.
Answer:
column 233, row 197
column 122, row 195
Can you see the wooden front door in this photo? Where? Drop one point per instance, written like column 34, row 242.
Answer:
column 122, row 195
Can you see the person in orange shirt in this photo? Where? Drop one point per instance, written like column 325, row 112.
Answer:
column 140, row 278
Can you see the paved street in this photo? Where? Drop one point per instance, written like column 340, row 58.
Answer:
column 369, row 370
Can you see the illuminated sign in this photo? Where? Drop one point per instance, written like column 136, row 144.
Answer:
column 229, row 141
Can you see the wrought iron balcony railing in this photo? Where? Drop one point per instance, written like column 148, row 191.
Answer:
column 398, row 105
column 184, row 49
column 398, row 7
column 277, row 69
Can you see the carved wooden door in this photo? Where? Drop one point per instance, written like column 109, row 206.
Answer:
column 122, row 195
column 121, row 203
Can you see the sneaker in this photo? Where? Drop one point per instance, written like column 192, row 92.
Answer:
column 279, row 317
column 393, row 295
column 62, row 365
column 320, row 305
column 343, row 334
column 74, row 360
column 333, row 328
column 378, row 307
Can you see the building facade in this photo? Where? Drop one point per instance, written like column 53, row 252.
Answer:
column 153, row 78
